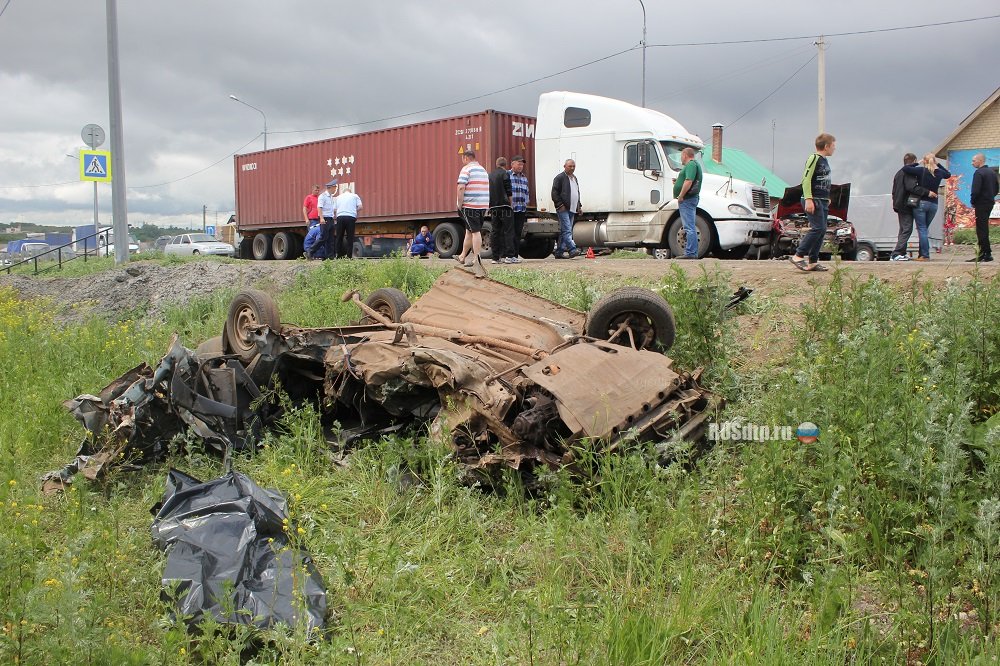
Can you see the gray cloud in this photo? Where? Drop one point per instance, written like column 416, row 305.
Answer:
column 311, row 64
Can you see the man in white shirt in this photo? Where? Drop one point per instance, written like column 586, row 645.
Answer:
column 328, row 212
column 348, row 204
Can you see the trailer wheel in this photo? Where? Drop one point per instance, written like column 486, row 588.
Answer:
column 448, row 239
column 487, row 236
column 633, row 317
column 536, row 248
column 358, row 251
column 865, row 252
column 390, row 303
column 676, row 236
column 283, row 245
column 249, row 308
column 262, row 247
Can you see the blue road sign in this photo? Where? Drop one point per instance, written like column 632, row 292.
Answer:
column 95, row 165
column 210, row 230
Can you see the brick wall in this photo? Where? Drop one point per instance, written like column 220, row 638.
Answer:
column 984, row 132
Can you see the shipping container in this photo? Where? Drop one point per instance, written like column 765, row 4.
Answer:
column 406, row 176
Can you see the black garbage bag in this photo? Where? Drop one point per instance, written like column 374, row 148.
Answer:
column 228, row 555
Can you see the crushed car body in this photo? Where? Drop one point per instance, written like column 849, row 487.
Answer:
column 507, row 378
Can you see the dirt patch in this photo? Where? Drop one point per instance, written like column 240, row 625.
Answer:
column 144, row 286
column 153, row 287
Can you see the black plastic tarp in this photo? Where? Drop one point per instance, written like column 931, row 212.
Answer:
column 228, row 555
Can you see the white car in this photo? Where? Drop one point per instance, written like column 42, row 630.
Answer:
column 190, row 244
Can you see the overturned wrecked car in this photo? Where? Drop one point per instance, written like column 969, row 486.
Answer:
column 506, row 378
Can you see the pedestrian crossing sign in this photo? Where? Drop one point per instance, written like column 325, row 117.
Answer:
column 95, row 165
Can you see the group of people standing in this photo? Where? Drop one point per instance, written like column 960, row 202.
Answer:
column 504, row 193
column 330, row 217
column 914, row 199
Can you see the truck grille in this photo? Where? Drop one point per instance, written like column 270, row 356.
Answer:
column 761, row 200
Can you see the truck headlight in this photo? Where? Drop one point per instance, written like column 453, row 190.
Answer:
column 737, row 209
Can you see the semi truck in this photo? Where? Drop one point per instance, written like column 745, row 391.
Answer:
column 627, row 158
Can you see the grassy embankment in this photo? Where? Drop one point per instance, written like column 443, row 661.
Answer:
column 878, row 544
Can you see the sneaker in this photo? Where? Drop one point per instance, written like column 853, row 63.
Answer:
column 513, row 260
column 496, row 261
column 560, row 255
column 575, row 252
column 899, row 257
column 923, row 258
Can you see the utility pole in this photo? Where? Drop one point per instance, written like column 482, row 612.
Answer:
column 821, row 45
column 204, row 215
column 641, row 4
column 118, row 206
column 773, row 126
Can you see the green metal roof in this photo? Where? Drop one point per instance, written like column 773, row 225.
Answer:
column 743, row 167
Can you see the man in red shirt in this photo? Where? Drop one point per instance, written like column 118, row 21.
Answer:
column 309, row 209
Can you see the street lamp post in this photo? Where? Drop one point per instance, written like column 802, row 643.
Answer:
column 237, row 99
column 643, row 53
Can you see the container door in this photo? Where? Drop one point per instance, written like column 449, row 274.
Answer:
column 642, row 177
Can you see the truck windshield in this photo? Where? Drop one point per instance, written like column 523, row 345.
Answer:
column 673, row 152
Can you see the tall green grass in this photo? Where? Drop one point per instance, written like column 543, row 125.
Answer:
column 877, row 544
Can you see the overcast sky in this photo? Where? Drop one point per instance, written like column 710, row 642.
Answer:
column 311, row 64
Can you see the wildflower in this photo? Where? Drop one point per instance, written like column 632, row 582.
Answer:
column 12, row 483
column 482, row 631
column 300, row 531
column 182, row 652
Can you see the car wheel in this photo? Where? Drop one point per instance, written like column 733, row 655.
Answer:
column 658, row 252
column 633, row 317
column 250, row 308
column 536, row 248
column 448, row 239
column 865, row 252
column 195, row 252
column 283, row 245
column 262, row 247
column 390, row 303
column 677, row 237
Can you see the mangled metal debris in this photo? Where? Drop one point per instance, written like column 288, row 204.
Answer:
column 510, row 379
column 229, row 556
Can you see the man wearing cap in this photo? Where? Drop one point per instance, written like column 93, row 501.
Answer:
column 328, row 209
column 348, row 204
column 519, row 204
column 500, row 211
column 472, row 202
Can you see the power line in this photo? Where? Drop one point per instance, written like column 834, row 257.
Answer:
column 6, row 5
column 217, row 162
column 461, row 101
column 773, row 91
column 826, row 34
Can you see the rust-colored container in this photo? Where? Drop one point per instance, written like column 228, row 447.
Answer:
column 405, row 176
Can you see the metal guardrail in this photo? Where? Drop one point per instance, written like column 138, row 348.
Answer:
column 58, row 250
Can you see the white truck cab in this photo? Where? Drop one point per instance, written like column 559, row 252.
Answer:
column 627, row 158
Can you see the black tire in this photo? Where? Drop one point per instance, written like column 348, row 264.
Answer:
column 358, row 251
column 646, row 315
column 448, row 239
column 536, row 248
column 676, row 236
column 487, row 250
column 248, row 309
column 262, row 247
column 283, row 245
column 246, row 248
column 390, row 303
column 195, row 253
column 865, row 252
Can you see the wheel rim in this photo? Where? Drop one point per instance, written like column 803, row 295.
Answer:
column 633, row 329
column 446, row 242
column 245, row 320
